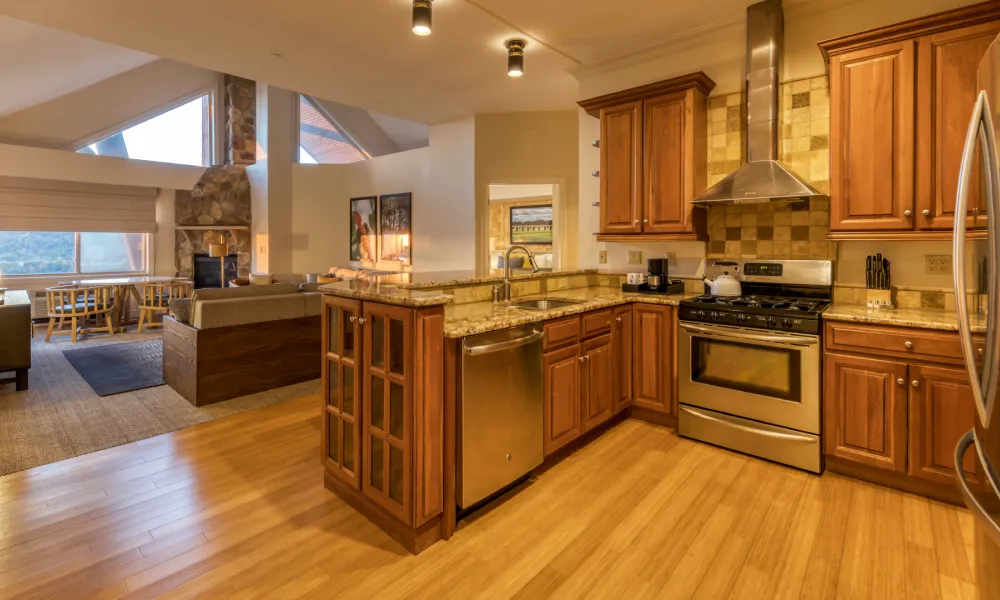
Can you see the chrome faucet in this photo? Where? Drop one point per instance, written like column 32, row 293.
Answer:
column 501, row 293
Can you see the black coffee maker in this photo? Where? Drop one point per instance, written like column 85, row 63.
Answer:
column 656, row 277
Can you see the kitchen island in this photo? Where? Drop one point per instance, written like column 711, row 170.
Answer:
column 392, row 381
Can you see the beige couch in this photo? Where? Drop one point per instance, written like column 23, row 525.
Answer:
column 222, row 307
column 231, row 342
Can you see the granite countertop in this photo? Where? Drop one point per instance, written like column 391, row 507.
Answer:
column 385, row 292
column 461, row 320
column 924, row 318
column 440, row 279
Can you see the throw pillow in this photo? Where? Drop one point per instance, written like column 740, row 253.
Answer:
column 180, row 309
column 261, row 279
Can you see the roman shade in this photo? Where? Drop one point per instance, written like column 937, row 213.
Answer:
column 50, row 205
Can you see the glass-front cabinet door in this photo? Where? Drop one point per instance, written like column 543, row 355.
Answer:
column 341, row 389
column 388, row 414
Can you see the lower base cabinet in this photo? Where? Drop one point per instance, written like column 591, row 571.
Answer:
column 561, row 413
column 895, row 411
column 621, row 341
column 652, row 357
column 598, row 389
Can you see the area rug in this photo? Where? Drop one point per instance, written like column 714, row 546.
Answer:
column 118, row 368
column 59, row 416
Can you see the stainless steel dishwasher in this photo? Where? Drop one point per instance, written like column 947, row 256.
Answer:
column 501, row 413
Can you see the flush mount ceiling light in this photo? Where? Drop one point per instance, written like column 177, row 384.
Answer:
column 515, row 58
column 422, row 17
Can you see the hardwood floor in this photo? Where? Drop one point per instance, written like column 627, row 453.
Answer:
column 236, row 508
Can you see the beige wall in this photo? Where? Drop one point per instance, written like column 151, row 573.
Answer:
column 528, row 147
column 164, row 262
column 106, row 106
column 440, row 177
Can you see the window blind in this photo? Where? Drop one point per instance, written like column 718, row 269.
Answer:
column 49, row 205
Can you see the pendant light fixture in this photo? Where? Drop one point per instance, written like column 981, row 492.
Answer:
column 515, row 58
column 422, row 17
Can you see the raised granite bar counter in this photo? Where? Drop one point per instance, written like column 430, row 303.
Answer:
column 922, row 318
column 461, row 320
column 387, row 292
column 442, row 279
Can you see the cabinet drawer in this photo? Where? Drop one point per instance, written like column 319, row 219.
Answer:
column 560, row 332
column 596, row 322
column 894, row 341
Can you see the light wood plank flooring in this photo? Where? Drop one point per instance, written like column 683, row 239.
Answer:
column 235, row 508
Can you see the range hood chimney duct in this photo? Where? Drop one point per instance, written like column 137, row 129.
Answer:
column 762, row 178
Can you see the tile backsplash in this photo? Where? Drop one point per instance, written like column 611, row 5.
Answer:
column 780, row 230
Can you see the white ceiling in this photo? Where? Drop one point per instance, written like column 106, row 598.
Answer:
column 362, row 53
column 47, row 63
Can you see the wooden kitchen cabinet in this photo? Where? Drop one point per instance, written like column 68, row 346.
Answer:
column 900, row 102
column 865, row 410
column 341, row 424
column 621, row 168
column 383, row 410
column 621, row 339
column 947, row 64
column 561, row 414
column 598, row 381
column 652, row 357
column 653, row 147
column 941, row 410
column 872, row 138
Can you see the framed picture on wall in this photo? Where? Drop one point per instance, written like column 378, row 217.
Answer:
column 394, row 218
column 364, row 233
column 531, row 224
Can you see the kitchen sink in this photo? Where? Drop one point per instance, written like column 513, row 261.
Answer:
column 544, row 304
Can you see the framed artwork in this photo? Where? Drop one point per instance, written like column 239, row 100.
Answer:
column 531, row 224
column 394, row 218
column 364, row 236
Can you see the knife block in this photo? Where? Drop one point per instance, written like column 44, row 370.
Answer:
column 878, row 299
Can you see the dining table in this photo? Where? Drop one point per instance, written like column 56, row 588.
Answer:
column 124, row 291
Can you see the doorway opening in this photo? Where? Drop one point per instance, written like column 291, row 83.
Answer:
column 525, row 214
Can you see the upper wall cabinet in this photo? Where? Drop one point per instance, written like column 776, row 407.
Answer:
column 900, row 102
column 653, row 159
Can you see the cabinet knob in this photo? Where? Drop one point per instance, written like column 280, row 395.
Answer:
column 908, row 344
column 637, row 221
column 596, row 143
column 925, row 212
column 901, row 381
column 645, row 220
column 619, row 320
column 908, row 213
column 595, row 173
column 352, row 318
column 361, row 320
column 915, row 383
column 583, row 358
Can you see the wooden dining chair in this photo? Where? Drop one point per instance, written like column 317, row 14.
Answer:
column 76, row 304
column 154, row 298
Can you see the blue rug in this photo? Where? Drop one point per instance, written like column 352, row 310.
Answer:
column 118, row 368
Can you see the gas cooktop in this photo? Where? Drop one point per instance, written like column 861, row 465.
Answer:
column 784, row 296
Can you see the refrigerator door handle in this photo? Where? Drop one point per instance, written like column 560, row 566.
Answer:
column 981, row 130
column 980, row 514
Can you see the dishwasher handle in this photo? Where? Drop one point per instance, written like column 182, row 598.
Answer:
column 534, row 336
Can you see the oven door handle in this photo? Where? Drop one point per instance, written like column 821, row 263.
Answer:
column 774, row 339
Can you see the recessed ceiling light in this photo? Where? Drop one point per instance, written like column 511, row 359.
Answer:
column 515, row 58
column 422, row 17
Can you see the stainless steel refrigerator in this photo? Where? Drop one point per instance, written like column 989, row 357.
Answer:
column 976, row 278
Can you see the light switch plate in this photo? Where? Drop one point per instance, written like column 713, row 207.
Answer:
column 671, row 257
column 937, row 265
column 602, row 257
column 635, row 257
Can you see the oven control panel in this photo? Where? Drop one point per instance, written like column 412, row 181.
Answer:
column 744, row 319
column 763, row 269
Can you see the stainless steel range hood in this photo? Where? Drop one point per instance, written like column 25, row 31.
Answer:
column 762, row 178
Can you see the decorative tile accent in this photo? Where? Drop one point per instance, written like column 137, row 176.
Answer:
column 794, row 230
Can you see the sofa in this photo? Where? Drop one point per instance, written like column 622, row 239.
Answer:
column 231, row 342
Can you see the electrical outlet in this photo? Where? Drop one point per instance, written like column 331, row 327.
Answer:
column 602, row 257
column 672, row 257
column 937, row 265
column 635, row 257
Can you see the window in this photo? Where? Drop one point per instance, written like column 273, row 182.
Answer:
column 57, row 253
column 182, row 135
column 320, row 141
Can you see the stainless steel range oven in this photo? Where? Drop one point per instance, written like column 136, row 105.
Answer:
column 749, row 367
